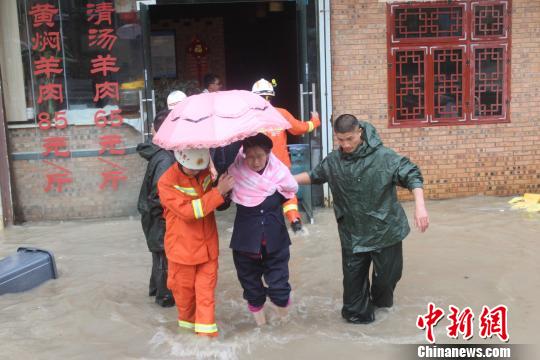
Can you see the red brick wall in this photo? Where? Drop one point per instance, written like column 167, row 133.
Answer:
column 500, row 159
column 83, row 198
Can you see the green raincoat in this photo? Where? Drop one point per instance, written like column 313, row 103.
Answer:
column 363, row 185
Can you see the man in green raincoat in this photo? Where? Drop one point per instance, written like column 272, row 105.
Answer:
column 362, row 175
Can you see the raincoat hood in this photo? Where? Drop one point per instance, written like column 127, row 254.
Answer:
column 149, row 206
column 370, row 142
column 363, row 185
column 147, row 150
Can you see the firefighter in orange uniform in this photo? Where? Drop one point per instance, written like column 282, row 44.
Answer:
column 266, row 89
column 191, row 237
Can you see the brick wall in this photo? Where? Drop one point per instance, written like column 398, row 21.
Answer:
column 81, row 199
column 501, row 159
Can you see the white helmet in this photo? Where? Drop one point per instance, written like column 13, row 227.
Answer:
column 174, row 98
column 193, row 159
column 263, row 87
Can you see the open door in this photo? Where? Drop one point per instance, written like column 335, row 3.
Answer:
column 312, row 54
column 308, row 90
column 6, row 202
column 147, row 99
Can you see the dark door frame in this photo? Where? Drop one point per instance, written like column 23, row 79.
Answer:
column 5, row 178
column 304, row 72
column 198, row 2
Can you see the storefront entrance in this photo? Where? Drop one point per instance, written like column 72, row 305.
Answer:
column 240, row 42
column 84, row 79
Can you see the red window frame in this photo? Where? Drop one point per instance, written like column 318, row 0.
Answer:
column 462, row 85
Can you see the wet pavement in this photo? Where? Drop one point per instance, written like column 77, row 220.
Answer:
column 477, row 252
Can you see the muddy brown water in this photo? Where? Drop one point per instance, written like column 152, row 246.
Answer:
column 476, row 252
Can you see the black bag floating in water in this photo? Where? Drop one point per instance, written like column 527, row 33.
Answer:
column 26, row 269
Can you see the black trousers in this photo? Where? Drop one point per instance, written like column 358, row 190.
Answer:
column 359, row 300
column 158, row 278
column 250, row 269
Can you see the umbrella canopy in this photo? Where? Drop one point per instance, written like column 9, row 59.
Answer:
column 216, row 119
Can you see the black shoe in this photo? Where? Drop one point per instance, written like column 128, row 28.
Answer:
column 356, row 319
column 166, row 301
column 382, row 305
column 383, row 301
column 152, row 292
column 296, row 226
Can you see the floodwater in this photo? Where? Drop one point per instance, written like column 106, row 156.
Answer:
column 476, row 252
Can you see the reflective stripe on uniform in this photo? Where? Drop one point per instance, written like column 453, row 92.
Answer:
column 290, row 207
column 311, row 126
column 197, row 208
column 188, row 191
column 186, row 324
column 206, row 182
column 205, row 328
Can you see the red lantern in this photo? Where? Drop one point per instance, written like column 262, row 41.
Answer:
column 199, row 51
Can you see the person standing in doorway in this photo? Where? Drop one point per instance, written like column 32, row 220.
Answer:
column 175, row 97
column 212, row 83
column 279, row 138
column 223, row 156
column 362, row 175
column 149, row 206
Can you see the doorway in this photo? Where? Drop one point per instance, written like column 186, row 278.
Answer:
column 242, row 42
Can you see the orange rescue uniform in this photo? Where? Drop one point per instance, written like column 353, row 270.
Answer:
column 279, row 139
column 191, row 246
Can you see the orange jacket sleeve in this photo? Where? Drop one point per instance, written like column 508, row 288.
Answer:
column 299, row 127
column 186, row 207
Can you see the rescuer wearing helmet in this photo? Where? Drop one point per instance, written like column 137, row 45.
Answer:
column 175, row 97
column 191, row 237
column 266, row 89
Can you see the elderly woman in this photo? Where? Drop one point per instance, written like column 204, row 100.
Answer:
column 260, row 240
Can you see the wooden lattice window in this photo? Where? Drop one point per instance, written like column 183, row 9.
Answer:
column 410, row 83
column 448, row 62
column 428, row 22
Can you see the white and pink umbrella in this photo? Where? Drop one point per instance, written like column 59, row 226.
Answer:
column 216, row 119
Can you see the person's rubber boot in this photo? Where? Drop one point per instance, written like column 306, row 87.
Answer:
column 296, row 226
column 208, row 336
column 361, row 319
column 152, row 288
column 165, row 301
